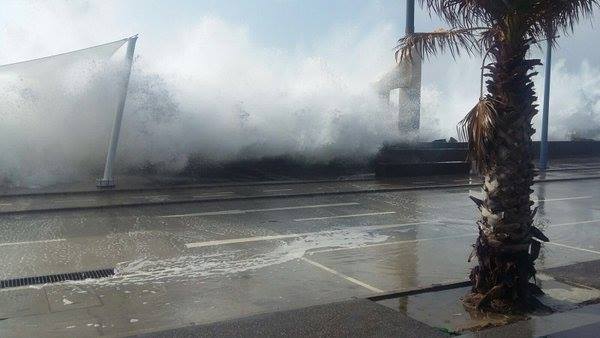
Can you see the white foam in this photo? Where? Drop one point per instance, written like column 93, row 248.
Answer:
column 231, row 261
column 208, row 88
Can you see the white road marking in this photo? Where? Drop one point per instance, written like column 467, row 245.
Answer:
column 5, row 204
column 215, row 194
column 562, row 199
column 33, row 242
column 276, row 190
column 468, row 221
column 339, row 274
column 572, row 247
column 377, row 186
column 459, row 220
column 344, row 216
column 240, row 240
column 423, row 182
column 76, row 200
column 150, row 196
column 390, row 243
column 574, row 223
column 274, row 237
column 237, row 212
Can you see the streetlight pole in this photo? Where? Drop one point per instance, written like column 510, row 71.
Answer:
column 409, row 97
column 544, row 139
column 410, row 17
column 107, row 180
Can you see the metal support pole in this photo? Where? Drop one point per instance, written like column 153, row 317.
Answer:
column 410, row 17
column 107, row 180
column 546, row 109
column 409, row 98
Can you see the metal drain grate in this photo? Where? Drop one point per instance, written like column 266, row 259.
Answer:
column 24, row 281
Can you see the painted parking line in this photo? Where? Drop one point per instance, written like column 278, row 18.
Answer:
column 5, row 204
column 344, row 216
column 574, row 223
column 312, row 252
column 572, row 247
column 216, row 194
column 240, row 240
column 479, row 195
column 562, row 199
column 75, row 200
column 423, row 182
column 390, row 243
column 339, row 274
column 467, row 221
column 238, row 212
column 33, row 242
column 297, row 235
column 377, row 185
column 277, row 190
column 150, row 196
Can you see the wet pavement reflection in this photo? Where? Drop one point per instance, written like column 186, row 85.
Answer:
column 210, row 261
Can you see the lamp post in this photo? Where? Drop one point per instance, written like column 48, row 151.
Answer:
column 409, row 97
column 410, row 17
column 545, row 112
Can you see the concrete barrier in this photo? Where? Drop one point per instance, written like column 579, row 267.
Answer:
column 443, row 158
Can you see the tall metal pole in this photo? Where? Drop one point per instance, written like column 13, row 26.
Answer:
column 410, row 17
column 546, row 109
column 107, row 180
column 409, row 97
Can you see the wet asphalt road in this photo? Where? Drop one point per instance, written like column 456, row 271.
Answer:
column 213, row 260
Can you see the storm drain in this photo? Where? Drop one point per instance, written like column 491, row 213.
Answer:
column 24, row 281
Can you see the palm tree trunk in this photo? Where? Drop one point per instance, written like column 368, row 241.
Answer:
column 505, row 248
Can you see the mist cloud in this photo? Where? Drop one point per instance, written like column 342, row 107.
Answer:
column 209, row 89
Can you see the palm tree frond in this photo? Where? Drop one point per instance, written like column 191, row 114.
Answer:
column 427, row 44
column 553, row 16
column 477, row 128
column 463, row 13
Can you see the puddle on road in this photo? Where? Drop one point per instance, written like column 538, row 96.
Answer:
column 444, row 309
column 231, row 261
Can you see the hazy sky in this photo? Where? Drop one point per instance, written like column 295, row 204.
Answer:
column 296, row 29
column 290, row 31
column 285, row 24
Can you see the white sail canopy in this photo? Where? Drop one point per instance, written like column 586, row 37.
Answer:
column 56, row 113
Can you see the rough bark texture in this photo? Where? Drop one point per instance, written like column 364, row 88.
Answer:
column 499, row 131
column 506, row 248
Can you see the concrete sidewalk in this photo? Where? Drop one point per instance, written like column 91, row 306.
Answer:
column 356, row 318
column 133, row 183
column 364, row 318
column 25, row 204
column 367, row 318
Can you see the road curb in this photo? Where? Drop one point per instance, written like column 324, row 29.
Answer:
column 216, row 185
column 260, row 197
column 180, row 187
column 419, row 290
